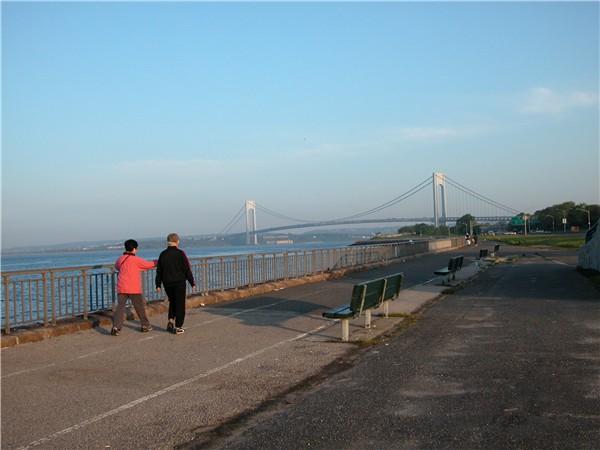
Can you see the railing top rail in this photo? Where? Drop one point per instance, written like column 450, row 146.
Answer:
column 57, row 270
column 200, row 258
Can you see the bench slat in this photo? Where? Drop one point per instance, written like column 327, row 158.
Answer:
column 366, row 296
column 454, row 265
column 341, row 312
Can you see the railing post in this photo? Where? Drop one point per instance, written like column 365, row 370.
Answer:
column 110, row 280
column 236, row 272
column 45, row 285
column 6, row 304
column 53, row 297
column 250, row 270
column 205, row 279
column 286, row 265
column 85, row 294
column 221, row 274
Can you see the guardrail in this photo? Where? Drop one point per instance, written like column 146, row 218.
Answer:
column 48, row 295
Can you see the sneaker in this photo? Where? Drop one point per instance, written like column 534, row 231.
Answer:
column 146, row 328
column 171, row 327
column 115, row 331
column 179, row 331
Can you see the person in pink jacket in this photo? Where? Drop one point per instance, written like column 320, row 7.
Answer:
column 129, row 286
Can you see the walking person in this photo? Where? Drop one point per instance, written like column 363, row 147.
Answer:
column 172, row 272
column 129, row 286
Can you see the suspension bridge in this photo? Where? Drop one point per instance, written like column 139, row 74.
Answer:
column 438, row 199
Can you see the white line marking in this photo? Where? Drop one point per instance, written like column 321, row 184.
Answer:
column 168, row 389
column 116, row 347
column 20, row 372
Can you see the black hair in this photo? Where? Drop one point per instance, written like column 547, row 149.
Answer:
column 130, row 245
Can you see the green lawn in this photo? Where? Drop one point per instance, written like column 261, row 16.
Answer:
column 570, row 241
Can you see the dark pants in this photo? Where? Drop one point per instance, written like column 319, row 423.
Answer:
column 176, row 295
column 139, row 305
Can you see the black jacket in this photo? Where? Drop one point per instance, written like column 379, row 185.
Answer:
column 173, row 268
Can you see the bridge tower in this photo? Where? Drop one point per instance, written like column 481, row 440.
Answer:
column 251, row 223
column 439, row 196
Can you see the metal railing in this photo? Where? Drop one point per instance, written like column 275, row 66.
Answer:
column 48, row 295
column 590, row 233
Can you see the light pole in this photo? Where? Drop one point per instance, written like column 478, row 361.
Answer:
column 552, row 217
column 564, row 220
column 587, row 211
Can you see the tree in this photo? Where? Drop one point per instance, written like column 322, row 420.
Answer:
column 466, row 224
column 551, row 218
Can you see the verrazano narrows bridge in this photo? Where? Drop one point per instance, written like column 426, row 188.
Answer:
column 449, row 202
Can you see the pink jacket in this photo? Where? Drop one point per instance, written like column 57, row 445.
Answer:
column 129, row 267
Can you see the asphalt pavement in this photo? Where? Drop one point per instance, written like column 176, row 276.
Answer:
column 505, row 358
column 510, row 361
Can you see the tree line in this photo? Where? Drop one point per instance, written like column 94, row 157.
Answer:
column 567, row 216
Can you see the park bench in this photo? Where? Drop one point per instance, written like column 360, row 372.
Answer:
column 483, row 253
column 366, row 296
column 393, row 285
column 454, row 265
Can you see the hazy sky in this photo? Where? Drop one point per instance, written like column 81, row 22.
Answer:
column 138, row 119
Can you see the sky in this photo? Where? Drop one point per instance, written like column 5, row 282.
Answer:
column 137, row 119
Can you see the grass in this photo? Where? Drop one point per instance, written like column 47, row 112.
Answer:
column 568, row 241
column 571, row 242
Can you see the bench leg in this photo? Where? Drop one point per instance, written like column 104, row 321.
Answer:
column 368, row 318
column 386, row 308
column 345, row 329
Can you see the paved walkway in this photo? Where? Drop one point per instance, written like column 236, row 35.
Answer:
column 247, row 370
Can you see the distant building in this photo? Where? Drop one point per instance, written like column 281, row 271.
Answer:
column 278, row 240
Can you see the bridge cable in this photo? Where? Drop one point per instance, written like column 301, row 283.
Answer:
column 233, row 221
column 281, row 216
column 424, row 184
column 484, row 199
column 394, row 201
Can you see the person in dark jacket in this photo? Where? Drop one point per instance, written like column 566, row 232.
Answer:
column 172, row 272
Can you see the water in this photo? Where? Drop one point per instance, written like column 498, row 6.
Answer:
column 35, row 261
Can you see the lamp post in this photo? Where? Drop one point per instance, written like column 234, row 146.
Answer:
column 564, row 221
column 552, row 217
column 588, row 212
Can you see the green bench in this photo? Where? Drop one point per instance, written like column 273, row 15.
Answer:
column 483, row 253
column 454, row 265
column 366, row 296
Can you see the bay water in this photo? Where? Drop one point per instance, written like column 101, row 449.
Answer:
column 55, row 260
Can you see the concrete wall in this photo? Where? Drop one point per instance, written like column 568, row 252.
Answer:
column 589, row 253
column 445, row 244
